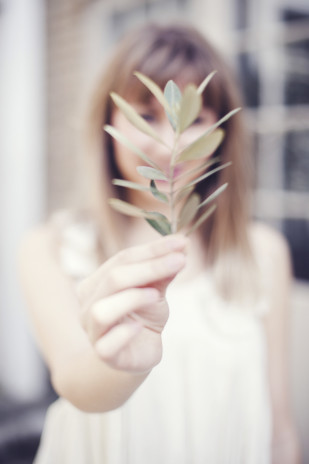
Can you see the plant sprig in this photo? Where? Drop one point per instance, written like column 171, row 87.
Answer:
column 187, row 210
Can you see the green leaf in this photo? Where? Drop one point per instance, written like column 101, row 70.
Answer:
column 214, row 195
column 190, row 107
column 188, row 211
column 173, row 96
column 172, row 93
column 130, row 185
column 228, row 116
column 202, row 219
column 205, row 82
column 154, row 89
column 156, row 220
column 221, row 121
column 128, row 209
column 198, row 169
column 207, row 174
column 181, row 110
column 156, row 193
column 209, row 131
column 126, row 142
column 160, row 223
column 151, row 173
column 134, row 118
column 204, row 146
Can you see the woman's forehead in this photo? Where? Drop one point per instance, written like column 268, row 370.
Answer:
column 161, row 70
column 135, row 90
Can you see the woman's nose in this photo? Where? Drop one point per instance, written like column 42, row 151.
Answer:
column 167, row 134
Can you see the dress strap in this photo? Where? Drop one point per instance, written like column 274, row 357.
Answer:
column 76, row 243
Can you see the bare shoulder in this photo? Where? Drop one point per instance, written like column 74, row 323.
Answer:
column 47, row 236
column 266, row 239
column 38, row 240
column 270, row 247
column 38, row 255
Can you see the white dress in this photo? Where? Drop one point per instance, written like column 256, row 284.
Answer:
column 207, row 402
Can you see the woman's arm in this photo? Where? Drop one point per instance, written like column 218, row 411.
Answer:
column 274, row 257
column 101, row 340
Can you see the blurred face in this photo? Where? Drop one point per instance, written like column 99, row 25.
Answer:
column 127, row 161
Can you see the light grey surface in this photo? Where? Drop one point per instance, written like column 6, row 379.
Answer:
column 299, row 362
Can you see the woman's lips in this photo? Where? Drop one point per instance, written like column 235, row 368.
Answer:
column 177, row 170
column 165, row 184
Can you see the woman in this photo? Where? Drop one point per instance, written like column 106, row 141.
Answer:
column 211, row 387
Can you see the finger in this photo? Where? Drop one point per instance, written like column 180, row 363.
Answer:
column 142, row 273
column 157, row 248
column 162, row 285
column 116, row 339
column 106, row 312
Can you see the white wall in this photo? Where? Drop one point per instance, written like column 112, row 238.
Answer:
column 215, row 20
column 22, row 158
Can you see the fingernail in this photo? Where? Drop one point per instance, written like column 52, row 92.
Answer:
column 177, row 241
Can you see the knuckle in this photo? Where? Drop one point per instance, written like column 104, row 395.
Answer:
column 84, row 320
column 112, row 279
column 96, row 313
column 88, row 325
column 100, row 318
column 123, row 256
column 106, row 356
column 93, row 322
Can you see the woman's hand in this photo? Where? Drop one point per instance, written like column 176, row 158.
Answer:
column 123, row 303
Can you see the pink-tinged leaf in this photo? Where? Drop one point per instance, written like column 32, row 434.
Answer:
column 134, row 118
column 188, row 211
column 190, row 107
column 202, row 147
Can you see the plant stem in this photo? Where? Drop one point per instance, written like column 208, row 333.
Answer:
column 173, row 216
column 171, row 201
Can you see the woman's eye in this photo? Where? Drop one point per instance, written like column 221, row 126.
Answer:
column 148, row 117
column 198, row 120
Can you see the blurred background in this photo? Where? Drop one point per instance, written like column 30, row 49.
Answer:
column 50, row 54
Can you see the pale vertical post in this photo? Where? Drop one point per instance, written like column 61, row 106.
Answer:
column 22, row 181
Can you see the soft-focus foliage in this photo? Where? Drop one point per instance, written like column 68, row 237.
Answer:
column 184, row 203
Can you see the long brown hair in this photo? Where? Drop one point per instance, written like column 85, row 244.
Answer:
column 178, row 52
